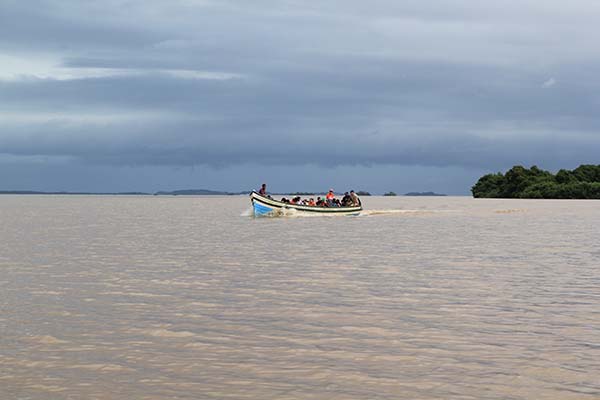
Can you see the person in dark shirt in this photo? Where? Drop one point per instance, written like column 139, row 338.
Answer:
column 346, row 200
column 263, row 190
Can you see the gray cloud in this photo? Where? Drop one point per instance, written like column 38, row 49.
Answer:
column 340, row 83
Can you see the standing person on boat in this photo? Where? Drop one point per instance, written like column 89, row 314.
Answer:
column 330, row 196
column 263, row 190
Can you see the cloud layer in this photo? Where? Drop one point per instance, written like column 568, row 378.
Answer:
column 454, row 83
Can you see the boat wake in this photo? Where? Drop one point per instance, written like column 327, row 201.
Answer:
column 395, row 211
column 248, row 213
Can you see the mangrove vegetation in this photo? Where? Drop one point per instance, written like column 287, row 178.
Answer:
column 534, row 183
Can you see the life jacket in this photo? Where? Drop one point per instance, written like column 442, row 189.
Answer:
column 330, row 196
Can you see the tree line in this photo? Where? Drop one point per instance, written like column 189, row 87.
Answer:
column 534, row 183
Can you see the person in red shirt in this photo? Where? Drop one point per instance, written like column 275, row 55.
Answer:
column 330, row 196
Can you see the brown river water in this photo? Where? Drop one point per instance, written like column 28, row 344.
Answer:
column 190, row 298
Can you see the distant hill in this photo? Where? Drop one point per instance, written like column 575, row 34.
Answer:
column 77, row 193
column 180, row 192
column 423, row 194
column 186, row 192
column 192, row 192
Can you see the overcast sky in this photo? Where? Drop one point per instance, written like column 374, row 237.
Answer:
column 403, row 95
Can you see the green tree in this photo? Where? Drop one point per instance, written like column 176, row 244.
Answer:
column 535, row 183
column 563, row 176
column 488, row 185
column 587, row 173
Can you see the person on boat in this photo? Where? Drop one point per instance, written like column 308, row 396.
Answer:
column 346, row 200
column 320, row 202
column 354, row 198
column 329, row 197
column 263, row 190
column 311, row 202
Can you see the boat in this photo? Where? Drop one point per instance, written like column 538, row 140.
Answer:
column 264, row 205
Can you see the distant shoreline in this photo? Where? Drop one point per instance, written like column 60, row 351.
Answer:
column 35, row 192
column 186, row 192
column 199, row 192
column 425, row 194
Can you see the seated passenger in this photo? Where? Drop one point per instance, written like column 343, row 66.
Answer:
column 355, row 199
column 330, row 196
column 311, row 202
column 346, row 200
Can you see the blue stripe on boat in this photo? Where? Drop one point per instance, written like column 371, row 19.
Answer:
column 260, row 209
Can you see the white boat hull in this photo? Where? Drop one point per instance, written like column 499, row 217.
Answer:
column 263, row 205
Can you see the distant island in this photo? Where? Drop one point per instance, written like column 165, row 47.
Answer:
column 199, row 192
column 186, row 192
column 389, row 194
column 534, row 183
column 423, row 194
column 182, row 192
column 75, row 193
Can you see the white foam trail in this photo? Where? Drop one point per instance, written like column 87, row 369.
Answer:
column 248, row 213
column 392, row 211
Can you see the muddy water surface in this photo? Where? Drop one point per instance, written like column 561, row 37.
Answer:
column 188, row 298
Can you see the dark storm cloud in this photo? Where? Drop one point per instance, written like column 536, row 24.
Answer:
column 68, row 25
column 336, row 84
